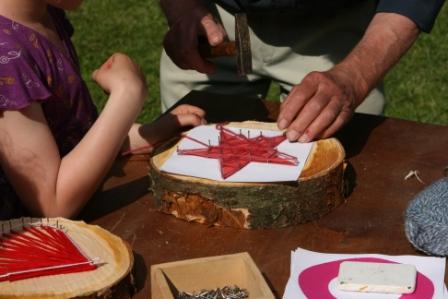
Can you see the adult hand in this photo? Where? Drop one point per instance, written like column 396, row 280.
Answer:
column 188, row 20
column 317, row 107
column 324, row 101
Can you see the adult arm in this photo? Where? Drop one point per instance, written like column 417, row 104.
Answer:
column 324, row 101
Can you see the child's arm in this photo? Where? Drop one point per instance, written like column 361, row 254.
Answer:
column 49, row 185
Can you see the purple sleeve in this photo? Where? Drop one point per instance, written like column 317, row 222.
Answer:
column 21, row 82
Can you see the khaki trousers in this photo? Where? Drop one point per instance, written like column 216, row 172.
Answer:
column 285, row 46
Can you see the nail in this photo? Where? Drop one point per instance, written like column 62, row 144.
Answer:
column 292, row 135
column 304, row 138
column 282, row 124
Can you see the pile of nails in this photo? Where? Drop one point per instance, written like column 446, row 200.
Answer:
column 219, row 293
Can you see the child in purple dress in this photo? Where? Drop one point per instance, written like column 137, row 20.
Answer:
column 54, row 148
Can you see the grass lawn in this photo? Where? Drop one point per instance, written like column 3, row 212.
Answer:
column 416, row 88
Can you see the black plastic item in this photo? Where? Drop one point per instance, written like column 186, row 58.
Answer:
column 224, row 108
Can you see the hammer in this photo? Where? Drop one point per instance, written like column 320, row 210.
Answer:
column 239, row 48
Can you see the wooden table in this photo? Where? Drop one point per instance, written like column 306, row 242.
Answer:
column 380, row 150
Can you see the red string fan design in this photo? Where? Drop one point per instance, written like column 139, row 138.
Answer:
column 40, row 250
column 235, row 151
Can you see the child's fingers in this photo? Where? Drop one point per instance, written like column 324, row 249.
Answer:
column 109, row 62
column 189, row 120
column 95, row 75
column 188, row 109
column 196, row 110
column 116, row 71
column 105, row 66
column 98, row 78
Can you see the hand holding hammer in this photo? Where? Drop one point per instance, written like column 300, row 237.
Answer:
column 189, row 19
column 240, row 48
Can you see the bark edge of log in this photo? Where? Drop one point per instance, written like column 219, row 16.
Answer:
column 319, row 189
column 115, row 281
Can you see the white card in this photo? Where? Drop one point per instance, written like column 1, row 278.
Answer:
column 253, row 172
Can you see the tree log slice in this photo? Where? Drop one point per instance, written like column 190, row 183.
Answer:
column 112, row 279
column 253, row 205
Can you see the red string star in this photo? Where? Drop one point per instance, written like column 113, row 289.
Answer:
column 235, row 151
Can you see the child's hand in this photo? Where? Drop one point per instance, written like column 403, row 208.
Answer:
column 120, row 73
column 180, row 117
column 143, row 138
column 187, row 115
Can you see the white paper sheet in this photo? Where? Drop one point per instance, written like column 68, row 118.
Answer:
column 253, row 172
column 314, row 274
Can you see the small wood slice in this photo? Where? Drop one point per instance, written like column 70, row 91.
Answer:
column 254, row 205
column 110, row 280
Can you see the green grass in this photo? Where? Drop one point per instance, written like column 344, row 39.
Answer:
column 134, row 27
column 416, row 88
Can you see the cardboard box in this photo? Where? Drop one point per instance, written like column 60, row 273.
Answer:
column 209, row 273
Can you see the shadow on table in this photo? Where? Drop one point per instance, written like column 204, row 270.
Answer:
column 139, row 273
column 271, row 286
column 355, row 134
column 110, row 199
column 133, row 283
column 349, row 180
column 354, row 137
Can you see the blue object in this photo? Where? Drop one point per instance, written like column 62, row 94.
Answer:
column 426, row 219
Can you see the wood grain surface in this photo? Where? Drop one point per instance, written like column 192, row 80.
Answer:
column 380, row 152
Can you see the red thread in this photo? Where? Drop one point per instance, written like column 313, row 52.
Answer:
column 39, row 251
column 235, row 151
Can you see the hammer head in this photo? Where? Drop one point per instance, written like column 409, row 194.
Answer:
column 242, row 41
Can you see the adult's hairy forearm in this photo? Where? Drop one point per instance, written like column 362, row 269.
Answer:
column 386, row 39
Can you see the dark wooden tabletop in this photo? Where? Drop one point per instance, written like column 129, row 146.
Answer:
column 381, row 151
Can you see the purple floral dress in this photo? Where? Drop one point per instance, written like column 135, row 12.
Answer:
column 32, row 69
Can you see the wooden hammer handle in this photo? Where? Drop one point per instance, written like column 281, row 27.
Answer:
column 223, row 49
